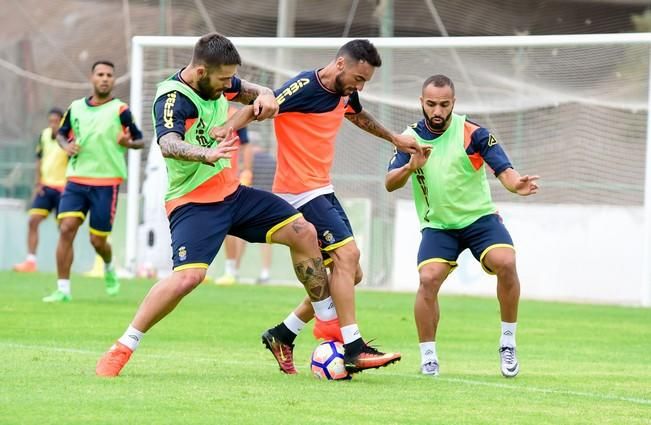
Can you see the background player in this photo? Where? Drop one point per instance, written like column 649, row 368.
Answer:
column 205, row 200
column 456, row 212
column 96, row 132
column 50, row 179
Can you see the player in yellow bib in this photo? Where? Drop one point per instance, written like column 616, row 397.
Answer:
column 456, row 212
column 96, row 132
column 50, row 167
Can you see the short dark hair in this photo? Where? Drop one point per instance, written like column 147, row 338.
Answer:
column 56, row 111
column 214, row 50
column 102, row 62
column 361, row 50
column 439, row 80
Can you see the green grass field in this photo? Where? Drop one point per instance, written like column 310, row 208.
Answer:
column 205, row 364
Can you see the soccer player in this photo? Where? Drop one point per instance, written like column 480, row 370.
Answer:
column 313, row 105
column 96, row 132
column 205, row 200
column 455, row 210
column 50, row 179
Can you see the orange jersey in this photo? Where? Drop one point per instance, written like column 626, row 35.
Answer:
column 306, row 129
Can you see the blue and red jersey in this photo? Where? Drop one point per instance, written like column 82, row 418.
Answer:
column 306, row 128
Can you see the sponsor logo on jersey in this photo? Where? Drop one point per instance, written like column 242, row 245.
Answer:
column 291, row 89
column 168, row 110
column 201, row 138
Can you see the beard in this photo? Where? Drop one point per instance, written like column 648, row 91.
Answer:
column 437, row 126
column 103, row 92
column 206, row 91
column 340, row 89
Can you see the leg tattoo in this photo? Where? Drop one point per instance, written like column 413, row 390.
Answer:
column 313, row 276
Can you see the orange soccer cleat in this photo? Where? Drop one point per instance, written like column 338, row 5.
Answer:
column 368, row 358
column 26, row 266
column 112, row 362
column 327, row 330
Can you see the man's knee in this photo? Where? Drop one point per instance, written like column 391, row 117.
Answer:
column 186, row 280
column 359, row 275
column 347, row 256
column 299, row 233
column 34, row 221
column 68, row 227
column 503, row 264
column 431, row 280
column 98, row 242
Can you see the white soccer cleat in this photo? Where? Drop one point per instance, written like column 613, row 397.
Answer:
column 430, row 368
column 510, row 365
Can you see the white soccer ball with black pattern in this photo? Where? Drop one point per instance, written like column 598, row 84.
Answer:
column 328, row 361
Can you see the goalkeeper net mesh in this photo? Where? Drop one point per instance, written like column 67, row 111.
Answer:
column 574, row 114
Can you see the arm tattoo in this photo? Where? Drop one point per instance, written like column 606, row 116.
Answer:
column 368, row 123
column 312, row 274
column 249, row 92
column 173, row 146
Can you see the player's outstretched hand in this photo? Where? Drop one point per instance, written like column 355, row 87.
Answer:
column 527, row 185
column 406, row 144
column 224, row 148
column 72, row 148
column 264, row 107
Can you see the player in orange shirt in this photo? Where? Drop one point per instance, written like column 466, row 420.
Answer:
column 313, row 106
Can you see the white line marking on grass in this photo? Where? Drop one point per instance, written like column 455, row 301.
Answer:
column 532, row 389
column 401, row 375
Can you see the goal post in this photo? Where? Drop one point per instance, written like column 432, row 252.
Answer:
column 537, row 93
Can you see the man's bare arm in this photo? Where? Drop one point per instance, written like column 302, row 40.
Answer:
column 172, row 145
column 71, row 147
column 250, row 91
column 262, row 98
column 62, row 141
column 368, row 123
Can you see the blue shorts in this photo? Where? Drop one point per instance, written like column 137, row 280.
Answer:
column 78, row 199
column 332, row 225
column 444, row 246
column 198, row 230
column 46, row 200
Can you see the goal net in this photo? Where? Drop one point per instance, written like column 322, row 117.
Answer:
column 573, row 109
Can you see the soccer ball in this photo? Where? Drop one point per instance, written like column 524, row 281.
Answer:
column 328, row 361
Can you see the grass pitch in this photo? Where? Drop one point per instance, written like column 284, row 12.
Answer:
column 204, row 364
